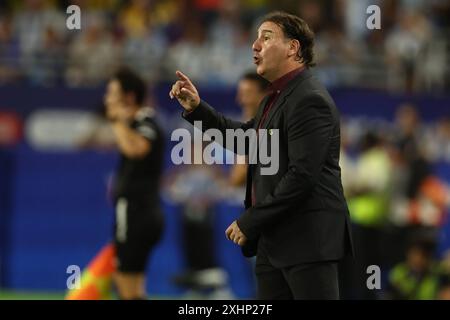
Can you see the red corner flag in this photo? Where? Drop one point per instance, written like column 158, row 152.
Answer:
column 96, row 280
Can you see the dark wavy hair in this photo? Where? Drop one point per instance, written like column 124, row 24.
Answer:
column 131, row 82
column 295, row 28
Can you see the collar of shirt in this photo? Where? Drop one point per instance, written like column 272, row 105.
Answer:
column 281, row 83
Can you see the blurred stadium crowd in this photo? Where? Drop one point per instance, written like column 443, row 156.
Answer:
column 398, row 204
column 396, row 171
column 211, row 41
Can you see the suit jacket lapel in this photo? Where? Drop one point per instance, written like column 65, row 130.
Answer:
column 282, row 99
column 283, row 96
column 278, row 104
column 248, row 193
column 260, row 112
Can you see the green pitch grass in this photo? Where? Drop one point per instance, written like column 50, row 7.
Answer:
column 37, row 295
column 25, row 295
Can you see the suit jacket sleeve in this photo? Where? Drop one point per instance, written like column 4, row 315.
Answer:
column 211, row 119
column 309, row 131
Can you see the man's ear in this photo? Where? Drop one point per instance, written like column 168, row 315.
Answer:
column 294, row 48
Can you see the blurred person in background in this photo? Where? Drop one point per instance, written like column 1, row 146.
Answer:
column 438, row 141
column 444, row 288
column 134, row 17
column 417, row 204
column 353, row 15
column 197, row 188
column 337, row 56
column 444, row 281
column 49, row 60
column 315, row 13
column 417, row 278
column 407, row 139
column 368, row 201
column 228, row 61
column 41, row 32
column 100, row 135
column 93, row 54
column 9, row 52
column 406, row 150
column 192, row 51
column 144, row 43
column 139, row 220
column 252, row 88
column 404, row 49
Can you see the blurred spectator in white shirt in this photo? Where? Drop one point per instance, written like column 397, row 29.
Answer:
column 93, row 54
column 41, row 31
column 9, row 52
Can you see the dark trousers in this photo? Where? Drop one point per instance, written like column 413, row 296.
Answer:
column 369, row 248
column 311, row 281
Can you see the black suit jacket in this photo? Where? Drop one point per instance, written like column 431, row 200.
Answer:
column 300, row 214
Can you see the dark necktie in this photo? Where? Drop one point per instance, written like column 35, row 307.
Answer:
column 270, row 102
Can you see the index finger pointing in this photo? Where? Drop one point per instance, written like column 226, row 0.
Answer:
column 182, row 76
column 228, row 233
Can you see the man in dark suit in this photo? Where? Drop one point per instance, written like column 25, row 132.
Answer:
column 296, row 221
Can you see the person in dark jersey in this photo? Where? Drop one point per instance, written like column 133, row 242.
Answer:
column 139, row 220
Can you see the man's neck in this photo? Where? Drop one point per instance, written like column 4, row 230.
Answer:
column 289, row 68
